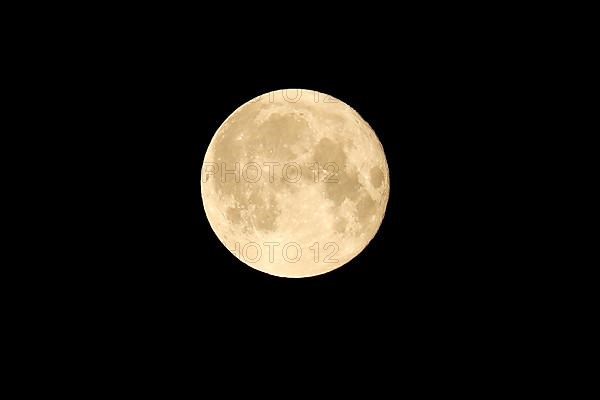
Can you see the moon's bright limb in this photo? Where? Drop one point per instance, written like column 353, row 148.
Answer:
column 295, row 183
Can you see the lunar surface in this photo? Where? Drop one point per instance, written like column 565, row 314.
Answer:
column 295, row 183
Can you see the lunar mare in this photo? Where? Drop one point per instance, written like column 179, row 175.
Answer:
column 295, row 183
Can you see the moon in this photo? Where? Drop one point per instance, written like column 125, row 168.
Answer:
column 295, row 183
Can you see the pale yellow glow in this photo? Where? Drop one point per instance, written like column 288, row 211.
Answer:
column 295, row 183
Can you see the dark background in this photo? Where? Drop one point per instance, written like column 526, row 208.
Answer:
column 143, row 278
column 415, row 260
column 162, row 101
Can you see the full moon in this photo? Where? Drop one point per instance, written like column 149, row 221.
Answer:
column 295, row 183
